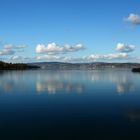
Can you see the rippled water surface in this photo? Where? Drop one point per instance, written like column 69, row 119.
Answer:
column 70, row 105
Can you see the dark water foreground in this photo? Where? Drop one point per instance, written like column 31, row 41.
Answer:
column 70, row 105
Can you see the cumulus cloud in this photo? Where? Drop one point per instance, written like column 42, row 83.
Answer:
column 53, row 52
column 55, row 58
column 89, row 58
column 121, row 47
column 112, row 56
column 16, row 57
column 74, row 59
column 20, row 59
column 133, row 19
column 53, row 48
column 49, row 58
column 10, row 49
column 6, row 52
column 11, row 46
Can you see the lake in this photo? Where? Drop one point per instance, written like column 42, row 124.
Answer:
column 70, row 105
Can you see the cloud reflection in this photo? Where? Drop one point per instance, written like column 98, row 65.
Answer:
column 52, row 88
column 122, row 79
column 125, row 87
column 57, row 82
column 54, row 82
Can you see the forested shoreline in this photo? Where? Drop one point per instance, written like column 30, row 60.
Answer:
column 16, row 66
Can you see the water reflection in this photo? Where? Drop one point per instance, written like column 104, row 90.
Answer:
column 125, row 87
column 14, row 82
column 53, row 87
column 123, row 80
column 52, row 82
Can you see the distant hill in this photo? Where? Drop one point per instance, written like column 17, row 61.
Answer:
column 19, row 66
column 89, row 66
column 66, row 66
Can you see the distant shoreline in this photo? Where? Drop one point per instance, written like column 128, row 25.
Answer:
column 66, row 66
column 83, row 66
column 17, row 66
column 136, row 70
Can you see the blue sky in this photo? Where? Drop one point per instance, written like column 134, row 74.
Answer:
column 70, row 30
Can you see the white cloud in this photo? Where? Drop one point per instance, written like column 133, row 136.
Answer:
column 20, row 59
column 16, row 57
column 89, row 58
column 10, row 49
column 121, row 47
column 133, row 19
column 6, row 52
column 122, row 53
column 73, row 59
column 137, row 58
column 52, row 58
column 53, row 52
column 11, row 46
column 53, row 48
column 49, row 58
column 112, row 56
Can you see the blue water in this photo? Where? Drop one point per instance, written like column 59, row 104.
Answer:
column 70, row 105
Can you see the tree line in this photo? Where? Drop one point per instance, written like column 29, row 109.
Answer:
column 16, row 66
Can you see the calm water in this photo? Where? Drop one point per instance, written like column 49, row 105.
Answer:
column 70, row 105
